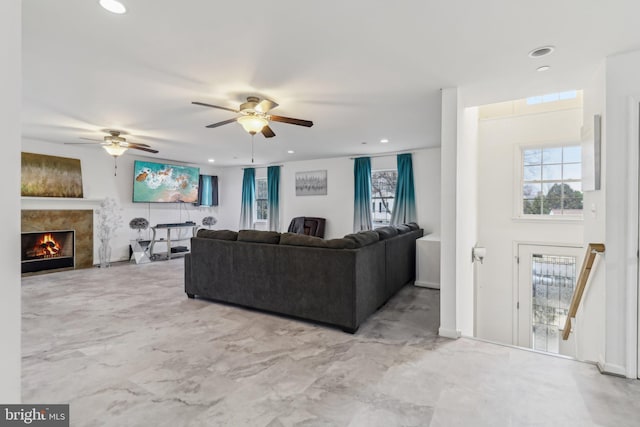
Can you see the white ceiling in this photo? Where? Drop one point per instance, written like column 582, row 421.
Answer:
column 362, row 70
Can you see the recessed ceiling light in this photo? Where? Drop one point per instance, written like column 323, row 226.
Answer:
column 363, row 143
column 290, row 151
column 113, row 6
column 211, row 160
column 541, row 51
column 384, row 141
column 543, row 68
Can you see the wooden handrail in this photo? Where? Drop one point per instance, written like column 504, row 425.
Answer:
column 589, row 258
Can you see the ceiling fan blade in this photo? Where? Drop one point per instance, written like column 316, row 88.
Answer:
column 92, row 139
column 299, row 122
column 150, row 150
column 215, row 125
column 268, row 132
column 84, row 143
column 214, row 106
column 265, row 105
column 136, row 144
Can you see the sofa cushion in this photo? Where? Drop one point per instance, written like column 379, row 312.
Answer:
column 386, row 232
column 402, row 228
column 363, row 238
column 293, row 239
column 259, row 236
column 217, row 234
column 412, row 226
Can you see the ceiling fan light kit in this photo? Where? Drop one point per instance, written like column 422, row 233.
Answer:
column 115, row 150
column 253, row 123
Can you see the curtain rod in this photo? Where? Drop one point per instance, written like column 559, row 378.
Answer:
column 260, row 167
column 385, row 154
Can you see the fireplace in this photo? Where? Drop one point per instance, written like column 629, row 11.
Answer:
column 47, row 250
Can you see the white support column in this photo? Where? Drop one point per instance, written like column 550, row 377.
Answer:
column 10, row 87
column 449, row 141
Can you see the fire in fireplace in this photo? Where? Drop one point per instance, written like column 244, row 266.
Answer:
column 47, row 247
column 46, row 250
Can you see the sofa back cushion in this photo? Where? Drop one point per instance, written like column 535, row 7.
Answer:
column 292, row 239
column 402, row 228
column 217, row 234
column 386, row 232
column 363, row 238
column 412, row 225
column 259, row 236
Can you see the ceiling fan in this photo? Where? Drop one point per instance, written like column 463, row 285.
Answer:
column 254, row 116
column 115, row 144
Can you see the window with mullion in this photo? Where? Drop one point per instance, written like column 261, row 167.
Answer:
column 262, row 205
column 552, row 180
column 383, row 190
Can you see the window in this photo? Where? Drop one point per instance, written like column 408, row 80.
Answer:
column 552, row 181
column 383, row 190
column 552, row 97
column 261, row 199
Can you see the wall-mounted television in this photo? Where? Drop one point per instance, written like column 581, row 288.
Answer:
column 164, row 183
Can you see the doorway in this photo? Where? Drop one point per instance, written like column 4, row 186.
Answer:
column 546, row 279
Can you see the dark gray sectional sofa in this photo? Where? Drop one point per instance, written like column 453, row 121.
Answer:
column 338, row 282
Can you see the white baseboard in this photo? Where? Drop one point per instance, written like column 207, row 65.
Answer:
column 424, row 284
column 611, row 369
column 449, row 333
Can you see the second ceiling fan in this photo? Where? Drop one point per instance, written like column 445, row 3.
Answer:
column 254, row 116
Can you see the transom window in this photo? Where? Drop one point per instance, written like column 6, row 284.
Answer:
column 262, row 206
column 383, row 191
column 552, row 180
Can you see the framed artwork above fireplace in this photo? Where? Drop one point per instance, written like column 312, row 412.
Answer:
column 50, row 176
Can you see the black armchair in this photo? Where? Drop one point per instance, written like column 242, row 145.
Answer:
column 311, row 226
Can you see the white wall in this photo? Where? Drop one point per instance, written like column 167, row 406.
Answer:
column 466, row 217
column 621, row 130
column 10, row 84
column 99, row 182
column 589, row 327
column 337, row 205
column 498, row 140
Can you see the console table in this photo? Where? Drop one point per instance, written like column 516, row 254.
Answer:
column 168, row 240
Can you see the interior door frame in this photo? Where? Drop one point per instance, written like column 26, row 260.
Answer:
column 515, row 278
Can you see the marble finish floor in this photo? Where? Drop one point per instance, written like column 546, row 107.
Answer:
column 125, row 347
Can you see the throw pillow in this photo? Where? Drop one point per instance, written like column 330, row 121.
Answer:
column 259, row 236
column 363, row 238
column 217, row 234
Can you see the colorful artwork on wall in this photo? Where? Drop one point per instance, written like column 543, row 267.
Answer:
column 50, row 176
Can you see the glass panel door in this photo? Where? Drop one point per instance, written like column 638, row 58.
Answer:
column 546, row 279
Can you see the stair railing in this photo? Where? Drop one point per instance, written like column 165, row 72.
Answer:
column 587, row 264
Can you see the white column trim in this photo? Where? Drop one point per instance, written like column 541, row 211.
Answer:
column 631, row 244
